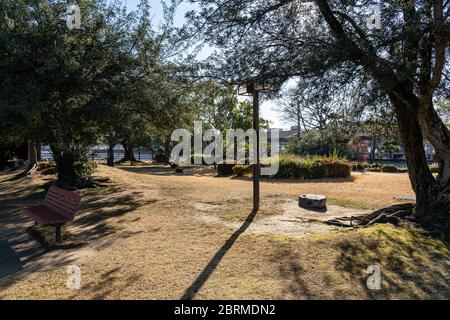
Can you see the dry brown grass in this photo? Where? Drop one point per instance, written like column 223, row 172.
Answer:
column 143, row 240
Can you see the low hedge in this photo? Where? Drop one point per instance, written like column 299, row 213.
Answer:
column 389, row 168
column 359, row 166
column 161, row 158
column 292, row 166
column 337, row 169
column 241, row 170
column 225, row 169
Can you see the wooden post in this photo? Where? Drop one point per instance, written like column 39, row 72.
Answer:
column 256, row 166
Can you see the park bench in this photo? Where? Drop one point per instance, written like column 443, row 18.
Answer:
column 58, row 207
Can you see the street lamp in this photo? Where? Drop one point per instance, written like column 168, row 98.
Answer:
column 253, row 88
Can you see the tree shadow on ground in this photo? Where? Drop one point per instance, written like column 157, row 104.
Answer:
column 103, row 287
column 290, row 181
column 98, row 217
column 192, row 291
column 187, row 171
column 412, row 265
column 9, row 262
column 97, row 211
column 291, row 271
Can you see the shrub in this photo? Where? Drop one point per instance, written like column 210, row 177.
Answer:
column 402, row 170
column 434, row 168
column 225, row 169
column 389, row 168
column 313, row 167
column 374, row 167
column 337, row 168
column 161, row 158
column 241, row 170
column 359, row 166
column 291, row 166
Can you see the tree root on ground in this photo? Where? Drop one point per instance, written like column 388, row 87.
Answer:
column 391, row 214
column 438, row 227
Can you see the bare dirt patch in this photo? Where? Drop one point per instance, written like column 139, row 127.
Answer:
column 291, row 221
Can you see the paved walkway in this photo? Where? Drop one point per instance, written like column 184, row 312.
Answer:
column 9, row 262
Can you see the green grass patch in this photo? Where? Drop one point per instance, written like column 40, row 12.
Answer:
column 352, row 204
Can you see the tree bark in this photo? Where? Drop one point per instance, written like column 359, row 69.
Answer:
column 65, row 164
column 110, row 160
column 129, row 153
column 422, row 181
column 38, row 151
column 32, row 154
column 438, row 135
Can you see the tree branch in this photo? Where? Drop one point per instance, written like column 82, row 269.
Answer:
column 439, row 44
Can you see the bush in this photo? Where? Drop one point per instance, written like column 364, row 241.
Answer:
column 337, row 168
column 359, row 166
column 402, row 170
column 312, row 167
column 225, row 169
column 389, row 168
column 434, row 168
column 161, row 158
column 374, row 167
column 241, row 170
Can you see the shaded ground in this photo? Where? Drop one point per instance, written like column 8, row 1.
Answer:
column 152, row 235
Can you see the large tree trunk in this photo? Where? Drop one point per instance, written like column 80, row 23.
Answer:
column 435, row 131
column 298, row 124
column 31, row 157
column 110, row 160
column 129, row 153
column 65, row 164
column 422, row 181
column 38, row 151
column 32, row 154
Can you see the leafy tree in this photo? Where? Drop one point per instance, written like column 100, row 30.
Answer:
column 54, row 79
column 222, row 110
column 113, row 80
column 403, row 62
column 390, row 146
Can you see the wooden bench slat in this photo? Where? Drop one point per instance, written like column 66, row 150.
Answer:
column 69, row 201
column 62, row 196
column 58, row 202
column 62, row 212
column 43, row 215
column 59, row 205
column 68, row 194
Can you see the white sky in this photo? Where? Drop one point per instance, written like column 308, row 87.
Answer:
column 268, row 111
